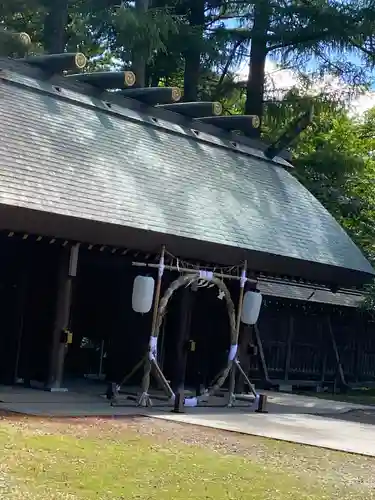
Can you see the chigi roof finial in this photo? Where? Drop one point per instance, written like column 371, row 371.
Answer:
column 57, row 63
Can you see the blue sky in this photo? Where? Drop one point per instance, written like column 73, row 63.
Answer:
column 352, row 58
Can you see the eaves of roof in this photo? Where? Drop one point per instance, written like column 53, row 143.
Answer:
column 309, row 294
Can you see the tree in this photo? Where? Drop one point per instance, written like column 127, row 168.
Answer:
column 335, row 160
column 54, row 26
column 299, row 31
column 141, row 33
column 197, row 54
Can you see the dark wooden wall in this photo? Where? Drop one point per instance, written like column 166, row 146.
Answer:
column 296, row 337
column 28, row 278
column 308, row 332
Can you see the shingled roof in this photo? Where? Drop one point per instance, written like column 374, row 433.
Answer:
column 92, row 168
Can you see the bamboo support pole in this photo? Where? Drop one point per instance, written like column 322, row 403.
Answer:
column 232, row 380
column 240, row 300
column 132, row 372
column 191, row 271
column 161, row 268
column 247, row 380
column 162, row 379
column 145, row 399
column 269, row 280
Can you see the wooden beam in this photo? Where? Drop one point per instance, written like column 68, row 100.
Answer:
column 152, row 95
column 194, row 109
column 261, row 354
column 336, row 353
column 57, row 63
column 288, row 352
column 242, row 123
column 21, row 303
column 191, row 271
column 178, row 382
column 14, row 44
column 66, row 274
column 324, row 348
column 243, row 354
column 104, row 80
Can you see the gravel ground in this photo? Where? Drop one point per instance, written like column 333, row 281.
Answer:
column 310, row 463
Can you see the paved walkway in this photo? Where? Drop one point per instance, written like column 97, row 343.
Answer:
column 298, row 419
column 313, row 430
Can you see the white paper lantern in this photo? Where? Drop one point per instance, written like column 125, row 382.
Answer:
column 252, row 303
column 143, row 294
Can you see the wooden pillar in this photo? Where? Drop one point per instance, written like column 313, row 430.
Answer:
column 324, row 352
column 178, row 383
column 288, row 352
column 244, row 356
column 66, row 272
column 359, row 338
column 21, row 316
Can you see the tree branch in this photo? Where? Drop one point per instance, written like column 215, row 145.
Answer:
column 227, row 66
column 360, row 47
column 302, row 37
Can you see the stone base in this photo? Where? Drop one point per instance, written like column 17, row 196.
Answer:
column 56, row 389
column 36, row 384
column 286, row 388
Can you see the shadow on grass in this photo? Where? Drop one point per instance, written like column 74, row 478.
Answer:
column 18, row 416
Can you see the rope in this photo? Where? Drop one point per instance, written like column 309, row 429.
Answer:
column 197, row 276
column 195, row 268
column 187, row 280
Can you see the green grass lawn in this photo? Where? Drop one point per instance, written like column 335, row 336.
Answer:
column 115, row 460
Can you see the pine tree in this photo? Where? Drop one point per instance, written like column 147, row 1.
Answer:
column 302, row 30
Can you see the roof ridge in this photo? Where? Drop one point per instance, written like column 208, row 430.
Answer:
column 131, row 109
column 108, row 102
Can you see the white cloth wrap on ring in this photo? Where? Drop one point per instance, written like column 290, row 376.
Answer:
column 232, row 352
column 206, row 275
column 243, row 279
column 191, row 402
column 153, row 351
column 161, row 267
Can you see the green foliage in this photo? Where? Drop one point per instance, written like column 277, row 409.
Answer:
column 335, row 160
column 147, row 31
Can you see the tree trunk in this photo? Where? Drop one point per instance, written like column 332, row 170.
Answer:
column 193, row 52
column 257, row 64
column 140, row 56
column 54, row 35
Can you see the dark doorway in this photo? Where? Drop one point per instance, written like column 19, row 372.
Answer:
column 209, row 333
column 10, row 291
column 12, row 297
column 27, row 294
column 109, row 338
